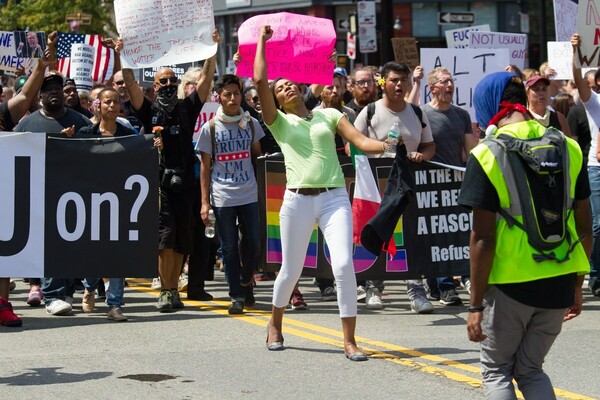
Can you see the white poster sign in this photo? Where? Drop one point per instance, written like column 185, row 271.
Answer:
column 565, row 19
column 459, row 38
column 516, row 44
column 82, row 63
column 367, row 39
column 588, row 26
column 467, row 66
column 157, row 32
column 560, row 58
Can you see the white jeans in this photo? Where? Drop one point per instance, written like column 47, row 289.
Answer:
column 299, row 213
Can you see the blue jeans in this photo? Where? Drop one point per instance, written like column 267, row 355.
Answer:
column 594, row 177
column 227, row 218
column 57, row 289
column 114, row 291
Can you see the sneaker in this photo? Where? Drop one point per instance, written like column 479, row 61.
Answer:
column 467, row 284
column 237, row 307
column 297, row 301
column 176, row 300
column 248, row 290
column 12, row 286
column 88, row 302
column 156, row 284
column 7, row 316
column 58, row 307
column 450, row 298
column 328, row 294
column 165, row 301
column 594, row 285
column 35, row 297
column 201, row 296
column 421, row 305
column 116, row 314
column 182, row 285
column 361, row 294
column 373, row 299
column 434, row 293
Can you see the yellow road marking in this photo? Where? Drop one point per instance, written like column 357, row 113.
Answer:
column 260, row 318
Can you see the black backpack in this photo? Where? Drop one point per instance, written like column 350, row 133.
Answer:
column 537, row 176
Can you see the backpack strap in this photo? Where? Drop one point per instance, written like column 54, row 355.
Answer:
column 419, row 113
column 370, row 113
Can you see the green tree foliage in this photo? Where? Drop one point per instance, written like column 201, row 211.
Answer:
column 50, row 15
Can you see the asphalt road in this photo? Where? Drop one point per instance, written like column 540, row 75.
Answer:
column 203, row 353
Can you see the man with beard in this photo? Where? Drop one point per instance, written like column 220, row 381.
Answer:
column 127, row 110
column 453, row 137
column 72, row 98
column 363, row 89
column 174, row 121
column 416, row 135
column 332, row 97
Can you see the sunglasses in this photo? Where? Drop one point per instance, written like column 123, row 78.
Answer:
column 120, row 83
column 173, row 80
column 254, row 99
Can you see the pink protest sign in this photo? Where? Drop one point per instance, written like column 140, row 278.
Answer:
column 299, row 49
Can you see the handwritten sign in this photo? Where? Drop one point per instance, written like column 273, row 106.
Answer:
column 467, row 66
column 209, row 109
column 560, row 57
column 565, row 20
column 9, row 60
column 405, row 51
column 157, row 32
column 588, row 26
column 299, row 49
column 516, row 44
column 82, row 63
column 459, row 38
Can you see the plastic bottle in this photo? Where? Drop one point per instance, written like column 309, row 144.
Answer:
column 393, row 135
column 209, row 231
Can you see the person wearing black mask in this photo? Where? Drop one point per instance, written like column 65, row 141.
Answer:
column 174, row 121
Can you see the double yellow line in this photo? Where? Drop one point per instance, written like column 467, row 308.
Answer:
column 423, row 362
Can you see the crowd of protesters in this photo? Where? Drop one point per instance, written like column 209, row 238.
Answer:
column 256, row 117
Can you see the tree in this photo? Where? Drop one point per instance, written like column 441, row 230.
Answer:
column 50, row 15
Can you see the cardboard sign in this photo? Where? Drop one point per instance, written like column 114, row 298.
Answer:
column 467, row 66
column 70, row 200
column 516, row 44
column 299, row 50
column 405, row 51
column 459, row 38
column 156, row 32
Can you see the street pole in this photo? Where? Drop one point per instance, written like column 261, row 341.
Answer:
column 387, row 30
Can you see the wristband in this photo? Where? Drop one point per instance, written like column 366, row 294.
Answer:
column 475, row 309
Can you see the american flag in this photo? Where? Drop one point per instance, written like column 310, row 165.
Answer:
column 103, row 60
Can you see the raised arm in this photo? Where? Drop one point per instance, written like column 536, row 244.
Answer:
column 208, row 71
column 269, row 110
column 414, row 96
column 116, row 45
column 19, row 104
column 584, row 90
column 136, row 95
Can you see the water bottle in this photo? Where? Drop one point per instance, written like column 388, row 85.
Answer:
column 393, row 135
column 209, row 231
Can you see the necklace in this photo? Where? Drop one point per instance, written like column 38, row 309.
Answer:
column 308, row 116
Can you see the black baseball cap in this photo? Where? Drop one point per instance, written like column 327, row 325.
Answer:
column 50, row 79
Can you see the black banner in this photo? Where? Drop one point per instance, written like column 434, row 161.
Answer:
column 432, row 237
